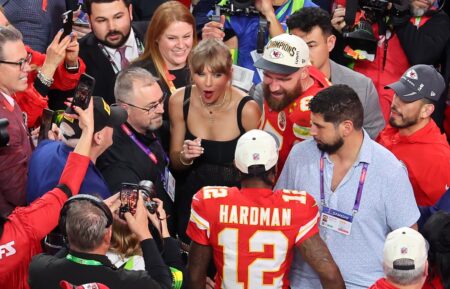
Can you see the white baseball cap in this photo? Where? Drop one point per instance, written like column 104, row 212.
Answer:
column 256, row 147
column 405, row 243
column 284, row 54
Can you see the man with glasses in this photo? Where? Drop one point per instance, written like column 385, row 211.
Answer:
column 14, row 69
column 136, row 153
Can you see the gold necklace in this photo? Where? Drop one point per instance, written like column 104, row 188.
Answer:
column 209, row 107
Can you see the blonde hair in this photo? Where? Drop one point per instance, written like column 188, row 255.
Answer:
column 123, row 241
column 166, row 14
column 212, row 53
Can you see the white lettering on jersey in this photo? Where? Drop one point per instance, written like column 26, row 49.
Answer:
column 7, row 249
column 256, row 216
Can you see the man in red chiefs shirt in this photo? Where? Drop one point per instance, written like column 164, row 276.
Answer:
column 251, row 232
column 414, row 138
column 289, row 84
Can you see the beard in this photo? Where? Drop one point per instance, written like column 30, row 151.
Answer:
column 404, row 121
column 289, row 97
column 330, row 147
column 122, row 41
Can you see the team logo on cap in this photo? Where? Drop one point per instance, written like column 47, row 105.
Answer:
column 411, row 74
column 275, row 54
column 404, row 250
column 106, row 107
column 256, row 156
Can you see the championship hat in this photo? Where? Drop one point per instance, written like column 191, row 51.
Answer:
column 256, row 147
column 284, row 54
column 419, row 81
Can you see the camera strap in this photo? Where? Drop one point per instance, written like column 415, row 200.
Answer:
column 83, row 261
column 351, row 8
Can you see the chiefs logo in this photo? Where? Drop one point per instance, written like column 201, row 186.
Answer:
column 276, row 54
column 411, row 74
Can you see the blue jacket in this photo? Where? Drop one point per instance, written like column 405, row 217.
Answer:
column 45, row 168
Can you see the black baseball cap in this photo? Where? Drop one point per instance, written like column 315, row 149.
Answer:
column 419, row 81
column 104, row 115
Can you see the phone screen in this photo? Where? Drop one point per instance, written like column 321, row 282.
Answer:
column 67, row 19
column 46, row 124
column 128, row 199
column 83, row 92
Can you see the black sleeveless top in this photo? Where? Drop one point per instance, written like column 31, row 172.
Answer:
column 216, row 152
column 213, row 168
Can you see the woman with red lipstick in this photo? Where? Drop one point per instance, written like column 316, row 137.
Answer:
column 170, row 37
column 206, row 121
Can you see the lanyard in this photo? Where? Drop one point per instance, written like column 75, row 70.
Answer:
column 116, row 69
column 362, row 179
column 83, row 261
column 283, row 9
column 147, row 150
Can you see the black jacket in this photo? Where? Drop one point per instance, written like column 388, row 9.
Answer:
column 125, row 162
column 98, row 65
column 47, row 271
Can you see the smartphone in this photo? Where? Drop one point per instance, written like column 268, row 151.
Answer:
column 46, row 124
column 128, row 199
column 83, row 92
column 82, row 19
column 67, row 19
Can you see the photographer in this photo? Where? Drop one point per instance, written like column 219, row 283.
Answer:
column 407, row 33
column 125, row 251
column 240, row 32
column 87, row 224
column 22, row 231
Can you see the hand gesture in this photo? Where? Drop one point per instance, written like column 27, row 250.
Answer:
column 138, row 223
column 72, row 50
column 191, row 149
column 264, row 6
column 214, row 30
column 338, row 20
column 85, row 117
column 56, row 52
column 159, row 219
column 113, row 202
column 80, row 30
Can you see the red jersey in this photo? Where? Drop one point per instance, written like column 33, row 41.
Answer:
column 293, row 123
column 252, row 233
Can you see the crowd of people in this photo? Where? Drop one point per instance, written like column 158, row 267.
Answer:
column 237, row 144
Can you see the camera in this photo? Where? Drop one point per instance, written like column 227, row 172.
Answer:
column 4, row 136
column 148, row 191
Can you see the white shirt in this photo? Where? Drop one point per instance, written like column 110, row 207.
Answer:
column 131, row 53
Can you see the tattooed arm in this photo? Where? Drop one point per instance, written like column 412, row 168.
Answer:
column 315, row 252
column 198, row 261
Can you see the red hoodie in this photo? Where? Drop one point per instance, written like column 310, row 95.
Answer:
column 426, row 155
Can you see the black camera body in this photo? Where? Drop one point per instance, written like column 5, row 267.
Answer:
column 4, row 136
column 148, row 191
column 238, row 8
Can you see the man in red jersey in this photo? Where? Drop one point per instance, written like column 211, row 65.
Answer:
column 289, row 84
column 252, row 232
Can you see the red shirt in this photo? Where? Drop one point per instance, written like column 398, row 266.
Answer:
column 383, row 284
column 26, row 226
column 426, row 155
column 433, row 283
column 252, row 232
column 292, row 124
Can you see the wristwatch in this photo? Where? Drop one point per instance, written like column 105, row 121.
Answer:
column 72, row 69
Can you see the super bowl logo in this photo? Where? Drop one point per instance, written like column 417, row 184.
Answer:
column 276, row 54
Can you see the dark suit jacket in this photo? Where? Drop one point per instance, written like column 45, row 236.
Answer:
column 98, row 65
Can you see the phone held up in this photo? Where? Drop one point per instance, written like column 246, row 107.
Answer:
column 83, row 92
column 46, row 124
column 128, row 199
column 67, row 19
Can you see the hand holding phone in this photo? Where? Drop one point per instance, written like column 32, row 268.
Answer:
column 128, row 199
column 46, row 124
column 83, row 92
column 67, row 20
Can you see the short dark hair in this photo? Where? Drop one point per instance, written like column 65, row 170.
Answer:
column 259, row 173
column 338, row 103
column 88, row 4
column 307, row 18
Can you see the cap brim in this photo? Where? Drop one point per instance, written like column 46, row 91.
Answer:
column 403, row 92
column 275, row 67
column 118, row 116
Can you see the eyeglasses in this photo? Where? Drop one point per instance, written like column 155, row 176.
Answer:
column 152, row 106
column 21, row 62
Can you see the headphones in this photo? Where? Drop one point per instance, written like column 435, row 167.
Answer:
column 83, row 197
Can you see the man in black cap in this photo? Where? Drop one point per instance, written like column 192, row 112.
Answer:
column 414, row 138
column 47, row 161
